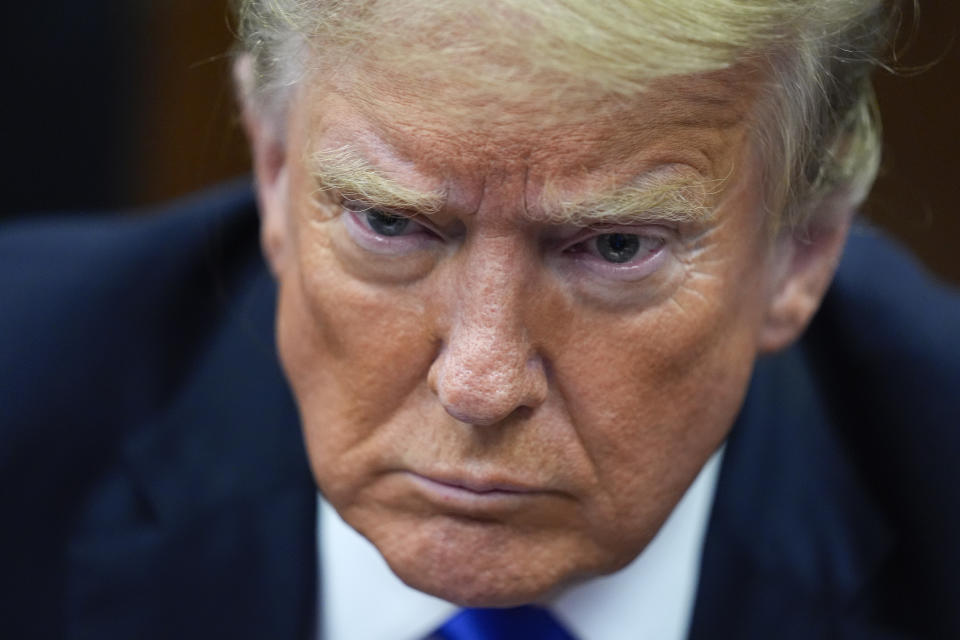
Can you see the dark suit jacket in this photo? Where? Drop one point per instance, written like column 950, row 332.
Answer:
column 153, row 483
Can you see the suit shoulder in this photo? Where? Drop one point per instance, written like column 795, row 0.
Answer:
column 885, row 310
column 886, row 353
column 89, row 252
column 105, row 308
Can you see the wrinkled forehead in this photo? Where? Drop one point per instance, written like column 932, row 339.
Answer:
column 696, row 121
column 666, row 153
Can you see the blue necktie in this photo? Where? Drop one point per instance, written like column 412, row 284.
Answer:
column 519, row 623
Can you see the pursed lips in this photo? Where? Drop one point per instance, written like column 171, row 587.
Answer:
column 475, row 496
column 477, row 485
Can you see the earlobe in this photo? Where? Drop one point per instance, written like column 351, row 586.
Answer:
column 268, row 151
column 804, row 263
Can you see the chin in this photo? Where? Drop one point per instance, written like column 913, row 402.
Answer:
column 479, row 563
column 470, row 587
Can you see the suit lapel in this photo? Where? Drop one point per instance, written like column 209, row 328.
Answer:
column 232, row 429
column 794, row 534
column 223, row 544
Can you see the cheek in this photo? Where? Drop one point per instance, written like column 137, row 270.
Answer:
column 353, row 355
column 654, row 394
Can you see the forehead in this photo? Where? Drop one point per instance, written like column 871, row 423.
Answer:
column 435, row 140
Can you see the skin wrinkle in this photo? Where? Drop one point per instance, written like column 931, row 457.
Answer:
column 650, row 199
column 721, row 114
column 526, row 188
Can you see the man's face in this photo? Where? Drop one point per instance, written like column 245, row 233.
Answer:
column 501, row 401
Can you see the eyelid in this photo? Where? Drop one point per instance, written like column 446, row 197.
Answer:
column 358, row 206
column 660, row 231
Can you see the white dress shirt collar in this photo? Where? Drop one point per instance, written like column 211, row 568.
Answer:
column 652, row 597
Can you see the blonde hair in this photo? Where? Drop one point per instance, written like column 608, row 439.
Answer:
column 817, row 133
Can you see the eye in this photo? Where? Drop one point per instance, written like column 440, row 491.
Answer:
column 385, row 232
column 386, row 224
column 619, row 248
column 625, row 254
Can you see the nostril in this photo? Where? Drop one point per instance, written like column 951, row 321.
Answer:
column 472, row 418
column 478, row 410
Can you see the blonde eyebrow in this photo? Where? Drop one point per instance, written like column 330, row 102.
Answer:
column 672, row 199
column 345, row 171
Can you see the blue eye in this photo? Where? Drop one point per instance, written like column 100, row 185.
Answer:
column 386, row 224
column 618, row 247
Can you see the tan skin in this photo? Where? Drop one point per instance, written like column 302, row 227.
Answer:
column 496, row 405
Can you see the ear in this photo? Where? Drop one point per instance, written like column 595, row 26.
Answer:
column 268, row 151
column 804, row 262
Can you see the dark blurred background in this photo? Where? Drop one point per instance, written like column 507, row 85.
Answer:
column 112, row 104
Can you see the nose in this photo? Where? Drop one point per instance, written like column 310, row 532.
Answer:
column 487, row 368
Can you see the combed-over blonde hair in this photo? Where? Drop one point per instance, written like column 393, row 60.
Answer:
column 816, row 130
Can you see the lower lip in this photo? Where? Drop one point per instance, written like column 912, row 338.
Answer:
column 460, row 498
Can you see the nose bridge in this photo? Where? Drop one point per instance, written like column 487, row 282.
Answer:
column 488, row 366
column 491, row 295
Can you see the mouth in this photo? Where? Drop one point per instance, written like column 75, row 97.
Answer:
column 475, row 496
column 478, row 485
